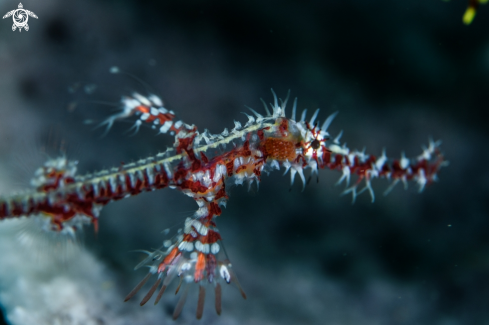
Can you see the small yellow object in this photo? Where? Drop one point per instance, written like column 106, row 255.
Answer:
column 469, row 15
column 471, row 10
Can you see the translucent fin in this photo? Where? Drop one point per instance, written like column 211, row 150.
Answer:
column 313, row 118
column 234, row 279
column 303, row 116
column 294, row 109
column 136, row 288
column 160, row 294
column 200, row 303
column 259, row 117
column 218, row 292
column 283, row 103
column 338, row 137
column 328, row 121
column 266, row 107
column 150, row 292
column 180, row 304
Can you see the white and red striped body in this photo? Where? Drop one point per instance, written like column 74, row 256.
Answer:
column 264, row 143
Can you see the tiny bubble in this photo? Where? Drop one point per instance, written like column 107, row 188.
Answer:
column 71, row 107
column 90, row 88
column 73, row 88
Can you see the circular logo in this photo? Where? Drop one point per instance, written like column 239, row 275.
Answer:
column 20, row 18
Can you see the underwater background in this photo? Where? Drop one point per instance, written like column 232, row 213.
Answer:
column 398, row 72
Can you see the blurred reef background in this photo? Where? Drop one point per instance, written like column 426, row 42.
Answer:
column 399, row 72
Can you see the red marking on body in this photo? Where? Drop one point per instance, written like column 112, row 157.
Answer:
column 257, row 172
column 160, row 116
column 283, row 128
column 212, row 236
column 241, row 168
column 175, row 252
column 137, row 187
column 55, row 177
column 361, row 168
column 195, row 187
column 204, row 158
column 161, row 179
column 385, row 170
column 146, row 184
column 127, row 179
column 229, row 168
column 180, row 172
column 199, row 267
column 260, row 134
column 183, row 127
column 326, row 156
column 102, row 190
column 246, row 149
column 211, row 266
column 397, row 171
column 185, row 144
column 338, row 162
column 214, row 209
column 88, row 192
column 17, row 208
column 3, row 210
column 279, row 149
column 221, row 193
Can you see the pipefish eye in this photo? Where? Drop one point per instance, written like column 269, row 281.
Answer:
column 315, row 144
